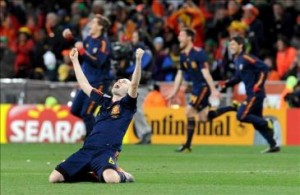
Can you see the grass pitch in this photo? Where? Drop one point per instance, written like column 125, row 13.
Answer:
column 159, row 170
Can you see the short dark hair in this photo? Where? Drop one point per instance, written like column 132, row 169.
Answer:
column 103, row 21
column 240, row 40
column 190, row 32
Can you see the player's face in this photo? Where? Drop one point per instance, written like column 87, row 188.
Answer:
column 94, row 27
column 183, row 39
column 235, row 48
column 121, row 87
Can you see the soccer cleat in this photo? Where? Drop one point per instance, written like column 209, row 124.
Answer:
column 129, row 177
column 273, row 149
column 183, row 149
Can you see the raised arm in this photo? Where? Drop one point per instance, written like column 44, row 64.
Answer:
column 136, row 75
column 81, row 79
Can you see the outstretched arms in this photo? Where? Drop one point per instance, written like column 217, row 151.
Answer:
column 81, row 79
column 136, row 76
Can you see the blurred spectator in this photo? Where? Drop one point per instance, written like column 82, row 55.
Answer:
column 289, row 85
column 273, row 74
column 155, row 99
column 24, row 48
column 256, row 28
column 188, row 16
column 163, row 67
column 210, row 48
column 234, row 10
column 54, row 39
column 285, row 58
column 65, row 70
column 293, row 98
column 283, row 23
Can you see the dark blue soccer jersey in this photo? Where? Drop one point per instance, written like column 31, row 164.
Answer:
column 111, row 122
column 193, row 63
column 252, row 71
column 96, row 70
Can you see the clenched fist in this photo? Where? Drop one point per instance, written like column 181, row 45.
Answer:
column 139, row 53
column 74, row 54
column 67, row 34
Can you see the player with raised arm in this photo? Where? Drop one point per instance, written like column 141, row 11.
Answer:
column 98, row 154
column 193, row 61
column 95, row 53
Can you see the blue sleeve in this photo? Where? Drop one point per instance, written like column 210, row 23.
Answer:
column 101, row 55
column 181, row 63
column 233, row 81
column 97, row 96
column 129, row 102
column 202, row 60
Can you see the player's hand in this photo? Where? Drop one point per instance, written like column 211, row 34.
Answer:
column 74, row 54
column 67, row 34
column 255, row 89
column 216, row 94
column 79, row 45
column 139, row 53
column 222, row 86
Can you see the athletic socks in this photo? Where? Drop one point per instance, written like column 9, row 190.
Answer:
column 190, row 131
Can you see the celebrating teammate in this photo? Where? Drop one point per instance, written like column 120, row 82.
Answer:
column 98, row 154
column 253, row 72
column 95, row 51
column 194, row 62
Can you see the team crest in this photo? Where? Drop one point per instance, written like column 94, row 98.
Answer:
column 241, row 67
column 115, row 111
column 95, row 50
column 86, row 45
column 194, row 65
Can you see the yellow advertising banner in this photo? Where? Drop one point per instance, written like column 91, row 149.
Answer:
column 169, row 127
column 3, row 116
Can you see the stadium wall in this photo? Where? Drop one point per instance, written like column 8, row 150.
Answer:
column 40, row 123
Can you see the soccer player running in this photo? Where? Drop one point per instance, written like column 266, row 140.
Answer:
column 253, row 73
column 98, row 154
column 193, row 61
column 95, row 52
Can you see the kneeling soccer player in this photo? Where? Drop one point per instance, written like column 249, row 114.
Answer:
column 98, row 154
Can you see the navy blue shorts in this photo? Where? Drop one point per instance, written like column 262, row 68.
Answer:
column 252, row 105
column 87, row 160
column 200, row 98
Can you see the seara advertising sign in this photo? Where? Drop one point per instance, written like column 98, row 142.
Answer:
column 39, row 123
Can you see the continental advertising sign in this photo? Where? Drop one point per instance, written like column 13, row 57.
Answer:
column 39, row 123
column 169, row 127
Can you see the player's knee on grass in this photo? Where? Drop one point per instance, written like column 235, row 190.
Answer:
column 111, row 176
column 56, row 177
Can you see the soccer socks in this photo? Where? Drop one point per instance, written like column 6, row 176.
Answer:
column 122, row 177
column 215, row 113
column 190, row 131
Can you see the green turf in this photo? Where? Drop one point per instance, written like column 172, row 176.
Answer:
column 159, row 170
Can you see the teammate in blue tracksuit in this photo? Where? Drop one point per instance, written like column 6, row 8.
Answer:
column 253, row 73
column 98, row 154
column 95, row 52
